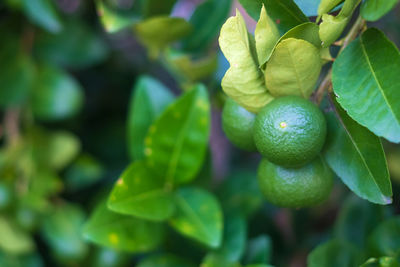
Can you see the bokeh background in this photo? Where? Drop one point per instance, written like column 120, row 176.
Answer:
column 82, row 151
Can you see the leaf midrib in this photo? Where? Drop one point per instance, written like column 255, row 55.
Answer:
column 192, row 214
column 172, row 164
column 141, row 196
column 358, row 150
column 377, row 81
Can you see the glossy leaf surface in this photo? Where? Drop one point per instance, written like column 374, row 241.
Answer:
column 149, row 99
column 372, row 97
column 198, row 216
column 140, row 193
column 122, row 232
column 356, row 156
column 177, row 141
column 373, row 10
column 293, row 68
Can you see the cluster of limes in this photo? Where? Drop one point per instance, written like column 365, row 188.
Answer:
column 289, row 133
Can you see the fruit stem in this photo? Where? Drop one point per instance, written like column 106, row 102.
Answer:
column 326, row 83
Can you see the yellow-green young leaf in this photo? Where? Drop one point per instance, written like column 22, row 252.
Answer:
column 13, row 239
column 327, row 5
column 176, row 143
column 148, row 101
column 373, row 10
column 332, row 27
column 326, row 56
column 141, row 193
column 366, row 81
column 193, row 69
column 111, row 20
column 244, row 81
column 122, row 232
column 307, row 31
column 158, row 32
column 198, row 216
column 266, row 36
column 293, row 68
column 61, row 230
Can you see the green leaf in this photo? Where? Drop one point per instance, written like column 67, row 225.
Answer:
column 61, row 230
column 76, row 46
column 122, row 232
column 83, row 172
column 293, row 68
column 13, row 239
column 286, row 14
column 43, row 14
column 381, row 262
column 156, row 7
column 177, row 141
column 157, row 33
column 192, row 69
column 16, row 78
column 356, row 156
column 206, row 30
column 259, row 250
column 372, row 98
column 164, row 260
column 325, row 6
column 259, row 265
column 198, row 216
column 266, row 35
column 234, row 238
column 252, row 8
column 54, row 149
column 335, row 253
column 56, row 94
column 373, row 10
column 111, row 20
column 149, row 99
column 307, row 31
column 241, row 194
column 385, row 238
column 356, row 220
column 244, row 81
column 215, row 260
column 26, row 260
column 140, row 193
column 332, row 26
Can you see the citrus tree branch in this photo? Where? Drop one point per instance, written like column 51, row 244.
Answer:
column 326, row 83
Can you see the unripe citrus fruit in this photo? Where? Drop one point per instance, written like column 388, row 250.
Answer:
column 295, row 187
column 290, row 131
column 238, row 124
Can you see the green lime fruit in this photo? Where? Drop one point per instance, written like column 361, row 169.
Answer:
column 238, row 123
column 290, row 131
column 295, row 187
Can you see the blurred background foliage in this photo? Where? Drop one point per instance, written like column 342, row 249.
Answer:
column 68, row 69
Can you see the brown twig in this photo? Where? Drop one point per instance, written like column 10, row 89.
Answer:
column 11, row 125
